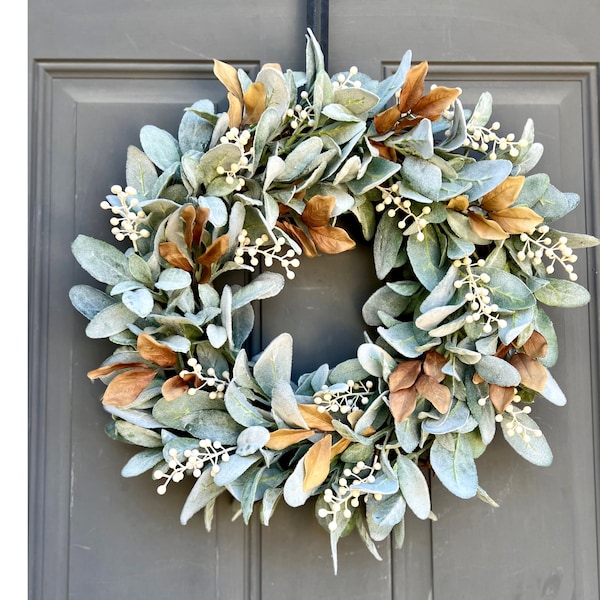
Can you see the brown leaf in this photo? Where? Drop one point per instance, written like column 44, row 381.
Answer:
column 202, row 215
column 477, row 378
column 228, row 76
column 127, row 386
column 459, row 203
column 503, row 195
column 110, row 369
column 174, row 256
column 536, row 346
column 155, row 352
column 533, row 373
column 317, row 211
column 308, row 246
column 283, row 438
column 386, row 120
column 255, row 102
column 485, row 228
column 404, row 375
column 413, row 87
column 235, row 110
column 439, row 395
column 316, row 464
column 188, row 215
column 315, row 419
column 385, row 151
column 433, row 104
column 500, row 396
column 214, row 252
column 518, row 219
column 433, row 364
column 403, row 403
column 331, row 240
column 173, row 388
column 339, row 447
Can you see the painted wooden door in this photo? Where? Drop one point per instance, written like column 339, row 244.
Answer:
column 99, row 72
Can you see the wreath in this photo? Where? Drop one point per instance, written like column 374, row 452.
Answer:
column 458, row 342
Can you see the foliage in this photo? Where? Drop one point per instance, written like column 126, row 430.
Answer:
column 459, row 340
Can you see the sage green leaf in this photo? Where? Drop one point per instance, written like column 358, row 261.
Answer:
column 386, row 245
column 341, row 132
column 160, row 146
column 459, row 223
column 140, row 172
column 426, row 258
column 552, row 391
column 109, row 321
column 484, row 414
column 453, row 420
column 506, row 290
column 215, row 425
column 457, row 134
column 529, row 159
column 554, row 205
column 533, row 189
column 465, row 355
column 563, row 293
column 388, row 87
column 414, row 486
column 240, row 408
column 278, row 96
column 101, row 260
column 222, row 156
column 483, row 110
column 173, row 279
column 422, row 176
column 204, row 491
column 141, row 462
column 433, row 317
column 365, row 213
column 404, row 288
column 300, row 159
column 138, row 436
column 375, row 360
column 322, row 95
column 533, row 448
column 574, row 240
column 544, row 325
column 378, row 171
column 455, row 467
column 140, row 270
column 356, row 452
column 459, row 248
column 269, row 503
column 408, row 433
column 418, row 140
column 484, row 176
column 285, row 407
column 443, row 292
column 242, row 324
column 266, row 129
column 266, row 285
column 383, row 515
column 402, row 338
column 195, row 132
column 350, row 369
column 515, row 324
column 357, row 100
column 497, row 371
column 234, row 468
column 385, row 484
column 253, row 438
column 218, row 210
column 274, row 363
column 337, row 112
column 293, row 489
column 139, row 301
column 89, row 301
column 384, row 300
column 216, row 334
column 242, row 373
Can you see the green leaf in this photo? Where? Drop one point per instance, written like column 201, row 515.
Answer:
column 426, row 258
column 240, row 408
column 563, row 293
column 384, row 300
column 386, row 245
column 383, row 515
column 101, row 260
column 402, row 338
column 139, row 301
column 300, row 159
column 109, row 321
column 533, row 449
column 160, row 146
column 506, row 290
column 414, row 486
column 266, row 285
column 139, row 436
column 275, row 363
column 204, row 491
column 375, row 360
column 141, row 462
column 140, row 172
column 455, row 467
column 173, row 279
column 378, row 171
column 422, row 176
column 484, row 176
column 195, row 132
column 497, row 371
column 89, row 301
column 253, row 438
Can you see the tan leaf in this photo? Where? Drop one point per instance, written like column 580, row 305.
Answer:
column 173, row 388
column 439, row 395
column 214, row 251
column 315, row 419
column 403, row 403
column 385, row 151
column 110, row 369
column 308, row 246
column 536, row 346
column 174, row 256
column 188, row 215
column 386, row 120
column 501, row 397
column 155, row 352
column 317, row 211
column 235, row 110
column 433, row 104
column 503, row 195
column 316, row 463
column 255, row 102
column 228, row 76
column 433, row 364
column 413, row 87
column 404, row 375
column 518, row 219
column 533, row 373
column 331, row 240
column 283, row 438
column 459, row 203
column 485, row 228
column 339, row 447
column 127, row 386
column 477, row 378
column 202, row 215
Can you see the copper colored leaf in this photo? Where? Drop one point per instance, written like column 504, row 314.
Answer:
column 215, row 251
column 155, row 352
column 110, row 369
column 188, row 215
column 386, row 120
column 331, row 240
column 459, row 203
column 255, row 102
column 433, row 364
column 403, row 403
column 174, row 256
column 315, row 419
column 432, row 105
column 339, row 447
column 385, row 151
column 439, row 395
column 404, row 375
column 308, row 246
column 228, row 76
column 536, row 346
column 501, row 397
column 317, row 211
column 127, row 386
column 174, row 387
column 503, row 195
column 235, row 110
column 202, row 214
column 485, row 228
column 518, row 219
column 413, row 87
column 283, row 438
column 316, row 464
column 533, row 374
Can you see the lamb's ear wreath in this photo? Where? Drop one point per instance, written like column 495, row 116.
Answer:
column 458, row 341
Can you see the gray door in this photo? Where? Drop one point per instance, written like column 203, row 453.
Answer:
column 99, row 72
